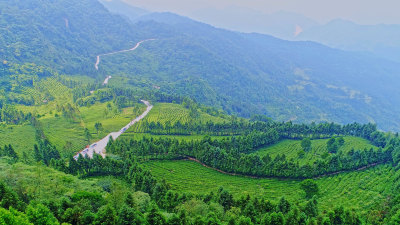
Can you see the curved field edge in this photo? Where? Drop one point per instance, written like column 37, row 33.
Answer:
column 360, row 190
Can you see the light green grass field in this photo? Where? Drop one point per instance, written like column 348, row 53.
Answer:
column 360, row 190
column 112, row 121
column 291, row 148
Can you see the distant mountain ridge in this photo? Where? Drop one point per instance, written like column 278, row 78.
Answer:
column 280, row 24
column 382, row 40
column 120, row 7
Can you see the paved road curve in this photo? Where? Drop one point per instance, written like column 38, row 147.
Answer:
column 106, row 80
column 100, row 146
column 96, row 65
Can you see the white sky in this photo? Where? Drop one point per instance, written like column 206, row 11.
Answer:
column 360, row 11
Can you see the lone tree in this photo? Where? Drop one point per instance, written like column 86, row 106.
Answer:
column 306, row 144
column 88, row 135
column 332, row 145
column 340, row 141
column 310, row 187
column 98, row 126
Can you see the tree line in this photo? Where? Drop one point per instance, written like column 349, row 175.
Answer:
column 231, row 154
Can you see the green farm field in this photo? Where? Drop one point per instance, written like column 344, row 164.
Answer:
column 359, row 190
column 22, row 137
column 168, row 112
column 291, row 148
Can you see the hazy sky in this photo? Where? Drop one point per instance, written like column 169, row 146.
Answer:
column 360, row 11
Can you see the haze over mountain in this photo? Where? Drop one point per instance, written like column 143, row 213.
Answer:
column 120, row 7
column 382, row 40
column 379, row 39
column 359, row 11
column 279, row 24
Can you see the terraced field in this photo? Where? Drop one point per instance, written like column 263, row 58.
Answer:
column 22, row 137
column 49, row 90
column 47, row 93
column 61, row 131
column 360, row 190
column 291, row 148
column 167, row 112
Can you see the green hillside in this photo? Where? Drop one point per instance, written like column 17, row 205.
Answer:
column 361, row 190
column 42, row 183
column 293, row 150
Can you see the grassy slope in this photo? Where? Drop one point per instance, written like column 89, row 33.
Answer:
column 291, row 148
column 40, row 182
column 360, row 190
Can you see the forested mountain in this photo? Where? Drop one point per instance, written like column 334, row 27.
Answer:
column 259, row 73
column 66, row 35
column 240, row 73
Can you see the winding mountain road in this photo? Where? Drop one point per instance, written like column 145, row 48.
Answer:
column 99, row 147
column 96, row 65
